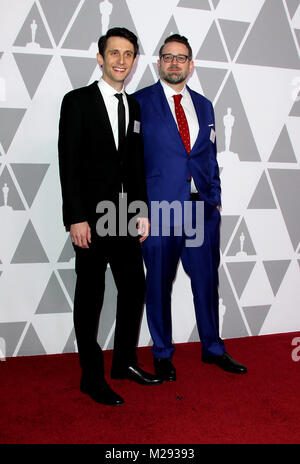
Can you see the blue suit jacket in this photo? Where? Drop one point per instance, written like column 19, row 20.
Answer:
column 168, row 166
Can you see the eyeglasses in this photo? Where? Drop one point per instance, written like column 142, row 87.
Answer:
column 168, row 58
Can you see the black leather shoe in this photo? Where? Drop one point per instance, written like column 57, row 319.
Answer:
column 101, row 393
column 137, row 374
column 165, row 369
column 226, row 363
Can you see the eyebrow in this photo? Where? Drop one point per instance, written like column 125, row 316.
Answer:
column 118, row 50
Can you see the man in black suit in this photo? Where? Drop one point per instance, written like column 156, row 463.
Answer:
column 101, row 159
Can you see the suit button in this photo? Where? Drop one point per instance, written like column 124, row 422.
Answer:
column 189, row 179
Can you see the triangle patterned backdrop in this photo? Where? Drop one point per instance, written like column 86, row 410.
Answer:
column 247, row 62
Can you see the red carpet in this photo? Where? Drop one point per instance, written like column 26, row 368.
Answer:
column 40, row 401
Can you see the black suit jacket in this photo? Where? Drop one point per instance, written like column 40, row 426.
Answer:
column 91, row 168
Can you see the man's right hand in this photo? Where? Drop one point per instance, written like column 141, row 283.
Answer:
column 81, row 234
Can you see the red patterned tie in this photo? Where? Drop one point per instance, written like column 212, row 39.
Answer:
column 182, row 123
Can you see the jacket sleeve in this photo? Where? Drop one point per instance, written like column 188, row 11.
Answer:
column 69, row 152
column 214, row 167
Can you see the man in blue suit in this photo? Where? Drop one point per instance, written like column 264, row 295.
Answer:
column 181, row 166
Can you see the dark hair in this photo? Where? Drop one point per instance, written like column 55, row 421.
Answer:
column 180, row 39
column 118, row 32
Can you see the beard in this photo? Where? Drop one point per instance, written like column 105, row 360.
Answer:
column 173, row 77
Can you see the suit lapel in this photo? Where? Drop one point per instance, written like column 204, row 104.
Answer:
column 164, row 112
column 202, row 120
column 100, row 113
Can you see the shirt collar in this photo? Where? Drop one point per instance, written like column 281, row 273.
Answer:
column 169, row 92
column 107, row 89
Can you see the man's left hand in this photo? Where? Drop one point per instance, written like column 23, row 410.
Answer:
column 143, row 226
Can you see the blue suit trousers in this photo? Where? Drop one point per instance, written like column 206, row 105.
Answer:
column 161, row 256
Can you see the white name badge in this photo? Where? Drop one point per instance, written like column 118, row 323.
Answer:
column 137, row 127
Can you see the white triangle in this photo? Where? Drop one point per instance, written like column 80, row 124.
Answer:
column 258, row 290
column 53, row 330
column 49, row 199
column 239, row 11
column 16, row 94
column 30, row 281
column 269, row 234
column 142, row 15
column 238, row 182
column 284, row 313
column 136, row 74
column 194, row 26
column 13, row 227
column 296, row 19
column 12, row 20
column 267, row 98
column 36, row 139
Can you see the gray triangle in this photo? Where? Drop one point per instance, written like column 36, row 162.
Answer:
column 30, row 249
column 262, row 197
column 295, row 111
column 270, row 42
column 292, row 6
column 31, row 344
column 25, row 38
column 32, row 68
column 197, row 4
column 233, row 33
column 283, row 151
column 212, row 48
column 256, row 316
column 108, row 312
column 147, row 79
column 11, row 333
column 11, row 198
column 233, row 325
column 68, row 252
column 58, row 15
column 240, row 273
column 211, row 80
column 171, row 29
column 242, row 140
column 10, row 121
column 30, row 177
column 228, row 224
column 215, row 3
column 87, row 27
column 71, row 346
column 276, row 271
column 194, row 337
column 53, row 300
column 79, row 69
column 68, row 276
column 242, row 244
column 286, row 183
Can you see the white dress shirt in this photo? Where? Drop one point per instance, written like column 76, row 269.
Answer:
column 111, row 103
column 190, row 113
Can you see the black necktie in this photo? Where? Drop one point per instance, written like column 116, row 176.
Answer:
column 121, row 119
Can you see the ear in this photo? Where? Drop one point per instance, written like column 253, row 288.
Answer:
column 99, row 59
column 191, row 66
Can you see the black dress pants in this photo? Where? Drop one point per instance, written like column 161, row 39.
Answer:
column 124, row 255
